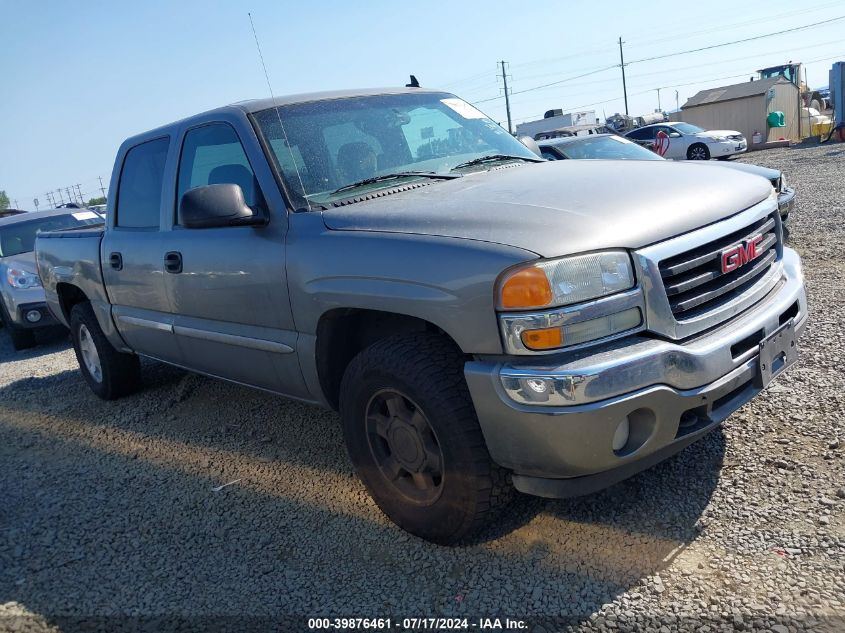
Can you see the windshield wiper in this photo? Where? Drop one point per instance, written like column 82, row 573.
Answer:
column 494, row 157
column 393, row 176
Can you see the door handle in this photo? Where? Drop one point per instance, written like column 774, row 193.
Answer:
column 173, row 262
column 116, row 261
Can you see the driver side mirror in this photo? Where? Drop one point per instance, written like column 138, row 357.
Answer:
column 215, row 206
column 674, row 135
column 531, row 144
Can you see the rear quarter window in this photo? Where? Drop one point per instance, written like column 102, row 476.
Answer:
column 139, row 190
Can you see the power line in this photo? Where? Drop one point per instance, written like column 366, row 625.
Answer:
column 721, row 28
column 742, row 41
column 553, row 83
column 670, row 86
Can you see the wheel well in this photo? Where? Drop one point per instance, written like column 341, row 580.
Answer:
column 342, row 333
column 69, row 295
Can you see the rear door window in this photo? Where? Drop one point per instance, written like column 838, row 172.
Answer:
column 139, row 191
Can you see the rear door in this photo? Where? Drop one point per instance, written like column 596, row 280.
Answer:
column 230, row 298
column 131, row 253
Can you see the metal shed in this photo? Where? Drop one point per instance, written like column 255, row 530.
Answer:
column 744, row 107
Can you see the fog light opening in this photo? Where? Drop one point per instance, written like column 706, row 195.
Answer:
column 621, row 435
column 536, row 389
column 33, row 316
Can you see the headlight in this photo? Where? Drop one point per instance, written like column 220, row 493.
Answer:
column 719, row 139
column 558, row 282
column 782, row 183
column 22, row 279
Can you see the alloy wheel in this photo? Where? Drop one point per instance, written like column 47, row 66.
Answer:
column 89, row 353
column 404, row 447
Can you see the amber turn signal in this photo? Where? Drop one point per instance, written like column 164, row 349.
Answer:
column 526, row 288
column 546, row 338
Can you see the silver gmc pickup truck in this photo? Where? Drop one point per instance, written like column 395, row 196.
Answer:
column 482, row 319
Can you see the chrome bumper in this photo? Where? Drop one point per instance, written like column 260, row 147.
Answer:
column 786, row 200
column 673, row 392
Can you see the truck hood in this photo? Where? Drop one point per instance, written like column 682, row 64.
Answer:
column 23, row 261
column 562, row 207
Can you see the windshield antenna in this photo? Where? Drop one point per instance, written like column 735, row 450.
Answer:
column 276, row 108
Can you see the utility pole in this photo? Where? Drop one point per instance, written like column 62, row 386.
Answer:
column 49, row 197
column 16, row 204
column 658, row 100
column 102, row 188
column 61, row 197
column 507, row 96
column 677, row 107
column 622, row 66
column 79, row 190
column 69, row 197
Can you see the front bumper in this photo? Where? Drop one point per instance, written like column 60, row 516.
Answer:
column 671, row 392
column 727, row 148
column 45, row 319
column 786, row 201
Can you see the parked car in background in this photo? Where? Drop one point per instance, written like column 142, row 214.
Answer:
column 690, row 142
column 614, row 147
column 99, row 209
column 480, row 317
column 22, row 306
column 572, row 130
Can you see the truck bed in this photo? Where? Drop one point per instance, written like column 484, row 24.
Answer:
column 70, row 257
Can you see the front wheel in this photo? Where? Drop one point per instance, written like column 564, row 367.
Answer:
column 698, row 151
column 414, row 439
column 110, row 374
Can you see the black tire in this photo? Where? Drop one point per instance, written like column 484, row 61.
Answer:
column 425, row 371
column 120, row 374
column 698, row 151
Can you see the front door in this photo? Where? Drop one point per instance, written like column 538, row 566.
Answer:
column 229, row 293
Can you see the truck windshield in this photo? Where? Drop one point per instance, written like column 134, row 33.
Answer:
column 19, row 237
column 327, row 145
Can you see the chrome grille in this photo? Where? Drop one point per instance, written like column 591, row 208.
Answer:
column 694, row 281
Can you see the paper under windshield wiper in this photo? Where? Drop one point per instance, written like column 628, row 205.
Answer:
column 493, row 157
column 393, row 176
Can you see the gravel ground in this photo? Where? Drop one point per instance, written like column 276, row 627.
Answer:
column 110, row 511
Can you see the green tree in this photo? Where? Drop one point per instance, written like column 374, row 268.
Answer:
column 93, row 201
column 4, row 200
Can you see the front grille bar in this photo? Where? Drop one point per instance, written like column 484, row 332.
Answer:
column 694, row 259
column 683, row 305
column 689, row 282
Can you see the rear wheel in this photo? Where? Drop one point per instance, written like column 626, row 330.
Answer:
column 109, row 373
column 413, row 436
column 698, row 151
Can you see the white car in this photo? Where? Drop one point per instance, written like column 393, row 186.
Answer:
column 686, row 141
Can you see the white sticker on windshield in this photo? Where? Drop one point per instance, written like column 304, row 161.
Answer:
column 463, row 108
column 86, row 215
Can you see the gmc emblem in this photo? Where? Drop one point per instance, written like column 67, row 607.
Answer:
column 740, row 254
